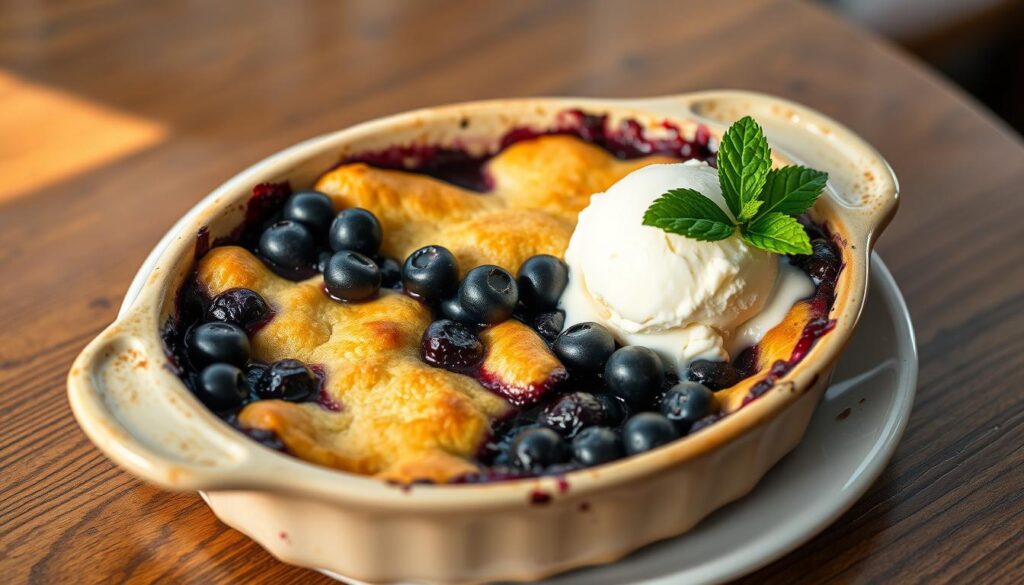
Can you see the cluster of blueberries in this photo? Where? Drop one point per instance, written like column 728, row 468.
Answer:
column 576, row 428
column 618, row 401
column 342, row 246
column 218, row 349
column 486, row 296
column 353, row 270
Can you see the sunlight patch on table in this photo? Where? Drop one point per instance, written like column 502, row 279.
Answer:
column 48, row 135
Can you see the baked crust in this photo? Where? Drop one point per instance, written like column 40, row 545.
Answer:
column 387, row 409
column 387, row 412
column 540, row 186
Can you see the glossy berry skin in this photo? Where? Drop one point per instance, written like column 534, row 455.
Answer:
column 613, row 409
column 322, row 258
column 430, row 273
column 217, row 342
column 390, row 272
column 489, row 294
column 635, row 374
column 240, row 306
column 541, row 280
column 256, row 375
column 356, row 229
column 548, row 325
column 222, row 387
column 706, row 422
column 646, row 431
column 687, row 402
column 451, row 345
column 715, row 375
column 288, row 380
column 497, row 450
column 351, row 276
column 822, row 265
column 288, row 244
column 312, row 208
column 572, row 413
column 584, row 347
column 452, row 309
column 536, row 448
column 597, row 445
column 560, row 469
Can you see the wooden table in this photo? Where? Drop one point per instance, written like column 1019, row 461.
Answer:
column 117, row 116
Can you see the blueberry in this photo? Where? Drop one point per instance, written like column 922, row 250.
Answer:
column 687, row 402
column 356, row 229
column 215, row 342
column 451, row 345
column 452, row 309
column 584, row 347
column 222, row 386
column 351, row 276
column 240, row 306
column 489, row 294
column 706, row 422
column 541, row 280
column 287, row 244
column 537, row 448
column 571, row 413
column 822, row 265
column 312, row 208
column 256, row 376
column 613, row 409
column 646, row 431
column 322, row 258
column 390, row 272
column 268, row 439
column 548, row 325
column 288, row 380
column 715, row 375
column 634, row 374
column 560, row 468
column 430, row 273
column 596, row 445
column 497, row 450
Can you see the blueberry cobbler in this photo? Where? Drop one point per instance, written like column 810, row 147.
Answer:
column 582, row 294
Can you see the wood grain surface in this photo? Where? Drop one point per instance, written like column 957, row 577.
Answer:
column 147, row 106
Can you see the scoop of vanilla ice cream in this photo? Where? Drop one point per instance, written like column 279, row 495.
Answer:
column 681, row 297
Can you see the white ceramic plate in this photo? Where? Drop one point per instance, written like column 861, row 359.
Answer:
column 851, row 438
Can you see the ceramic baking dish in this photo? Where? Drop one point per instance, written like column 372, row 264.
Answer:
column 139, row 413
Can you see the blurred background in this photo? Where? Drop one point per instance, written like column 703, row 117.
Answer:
column 978, row 44
column 84, row 83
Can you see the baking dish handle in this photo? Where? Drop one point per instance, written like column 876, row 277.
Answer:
column 159, row 436
column 860, row 180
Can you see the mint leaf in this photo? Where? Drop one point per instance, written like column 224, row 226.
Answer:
column 749, row 209
column 686, row 212
column 743, row 164
column 777, row 232
column 792, row 190
column 760, row 200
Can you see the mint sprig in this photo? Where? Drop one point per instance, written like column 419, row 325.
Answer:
column 762, row 200
column 687, row 212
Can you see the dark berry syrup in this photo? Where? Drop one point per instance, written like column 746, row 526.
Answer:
column 627, row 140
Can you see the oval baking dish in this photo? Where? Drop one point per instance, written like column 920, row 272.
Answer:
column 138, row 412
